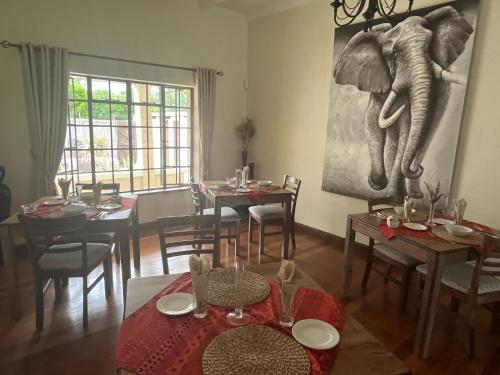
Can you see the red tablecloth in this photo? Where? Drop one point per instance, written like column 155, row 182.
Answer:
column 389, row 233
column 152, row 344
column 43, row 211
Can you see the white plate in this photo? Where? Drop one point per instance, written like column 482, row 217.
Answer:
column 458, row 230
column 53, row 202
column 316, row 334
column 442, row 221
column 415, row 226
column 264, row 183
column 175, row 304
column 110, row 206
column 243, row 190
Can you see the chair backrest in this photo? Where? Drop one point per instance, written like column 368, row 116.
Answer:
column 382, row 202
column 191, row 231
column 292, row 184
column 114, row 188
column 41, row 234
column 197, row 198
column 488, row 264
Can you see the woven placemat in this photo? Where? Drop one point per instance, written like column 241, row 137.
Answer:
column 258, row 350
column 474, row 239
column 417, row 217
column 221, row 285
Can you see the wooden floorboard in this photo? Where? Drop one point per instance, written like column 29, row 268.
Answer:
column 64, row 347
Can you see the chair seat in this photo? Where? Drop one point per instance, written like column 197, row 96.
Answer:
column 395, row 255
column 107, row 238
column 227, row 214
column 270, row 211
column 459, row 277
column 73, row 260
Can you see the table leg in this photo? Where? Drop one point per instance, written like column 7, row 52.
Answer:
column 429, row 303
column 350, row 237
column 217, row 211
column 136, row 242
column 12, row 276
column 288, row 223
column 125, row 256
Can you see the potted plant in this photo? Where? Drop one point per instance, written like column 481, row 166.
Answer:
column 245, row 131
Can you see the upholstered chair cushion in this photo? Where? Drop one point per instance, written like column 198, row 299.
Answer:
column 73, row 260
column 270, row 211
column 228, row 214
column 396, row 255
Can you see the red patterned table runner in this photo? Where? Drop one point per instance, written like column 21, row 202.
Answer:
column 151, row 343
column 43, row 211
column 389, row 233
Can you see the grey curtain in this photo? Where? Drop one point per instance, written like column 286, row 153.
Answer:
column 46, row 74
column 205, row 85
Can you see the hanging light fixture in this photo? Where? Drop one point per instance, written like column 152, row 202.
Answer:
column 346, row 11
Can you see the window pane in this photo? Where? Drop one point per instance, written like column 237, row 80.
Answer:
column 171, row 157
column 140, row 159
column 121, row 160
column 119, row 91
column 170, row 97
column 171, row 176
column 71, row 112
column 120, row 137
column 154, row 135
column 139, row 93
column 100, row 89
column 185, row 98
column 184, row 118
column 81, row 113
column 119, row 114
column 80, row 88
column 105, row 178
column 184, row 175
column 102, row 160
column 170, row 117
column 154, row 94
column 139, row 115
column 102, row 137
column 155, row 179
column 84, row 178
column 83, row 158
column 154, row 116
column 100, row 113
column 185, row 157
column 184, row 137
column 170, row 137
column 82, row 139
column 123, row 178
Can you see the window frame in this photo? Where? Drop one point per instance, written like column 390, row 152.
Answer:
column 162, row 105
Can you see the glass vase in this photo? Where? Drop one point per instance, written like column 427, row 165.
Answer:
column 432, row 211
column 238, row 317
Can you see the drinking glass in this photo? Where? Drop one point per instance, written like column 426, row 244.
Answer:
column 79, row 193
column 238, row 317
column 200, row 293
column 287, row 292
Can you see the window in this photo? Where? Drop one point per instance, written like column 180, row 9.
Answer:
column 137, row 134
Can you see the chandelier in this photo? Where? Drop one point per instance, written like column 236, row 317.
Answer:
column 346, row 11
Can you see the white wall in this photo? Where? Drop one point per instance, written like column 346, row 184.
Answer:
column 289, row 68
column 172, row 32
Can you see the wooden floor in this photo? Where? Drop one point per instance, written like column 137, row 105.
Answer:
column 64, row 347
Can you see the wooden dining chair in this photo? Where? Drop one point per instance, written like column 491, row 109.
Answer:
column 389, row 256
column 107, row 238
column 54, row 258
column 229, row 216
column 475, row 282
column 191, row 233
column 272, row 214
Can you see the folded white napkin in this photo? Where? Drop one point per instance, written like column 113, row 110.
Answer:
column 408, row 207
column 199, row 265
column 287, row 273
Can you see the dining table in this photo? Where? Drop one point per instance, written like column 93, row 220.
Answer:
column 123, row 222
column 230, row 197
column 436, row 252
column 359, row 352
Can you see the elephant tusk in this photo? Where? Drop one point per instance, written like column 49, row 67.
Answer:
column 385, row 122
column 445, row 75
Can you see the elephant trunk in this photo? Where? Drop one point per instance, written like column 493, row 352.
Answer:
column 419, row 92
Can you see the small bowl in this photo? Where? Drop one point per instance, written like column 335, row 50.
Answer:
column 458, row 230
column 72, row 209
column 264, row 183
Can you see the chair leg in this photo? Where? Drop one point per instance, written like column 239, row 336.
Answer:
column 237, row 238
column 495, row 321
column 229, row 241
column 106, row 265
column 368, row 268
column 250, row 230
column 39, row 303
column 418, row 293
column 455, row 304
column 261, row 237
column 85, row 302
column 405, row 284
column 387, row 273
column 292, row 232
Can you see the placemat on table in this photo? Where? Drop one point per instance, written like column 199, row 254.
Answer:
column 221, row 288
column 474, row 239
column 255, row 350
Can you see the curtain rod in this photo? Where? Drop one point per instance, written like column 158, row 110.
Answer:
column 7, row 44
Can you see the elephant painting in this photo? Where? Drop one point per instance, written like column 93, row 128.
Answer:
column 406, row 75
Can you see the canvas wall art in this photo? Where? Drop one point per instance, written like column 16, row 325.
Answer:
column 396, row 102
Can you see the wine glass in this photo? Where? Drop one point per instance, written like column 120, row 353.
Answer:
column 238, row 317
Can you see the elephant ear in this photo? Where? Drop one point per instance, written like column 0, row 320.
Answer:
column 362, row 62
column 451, row 30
